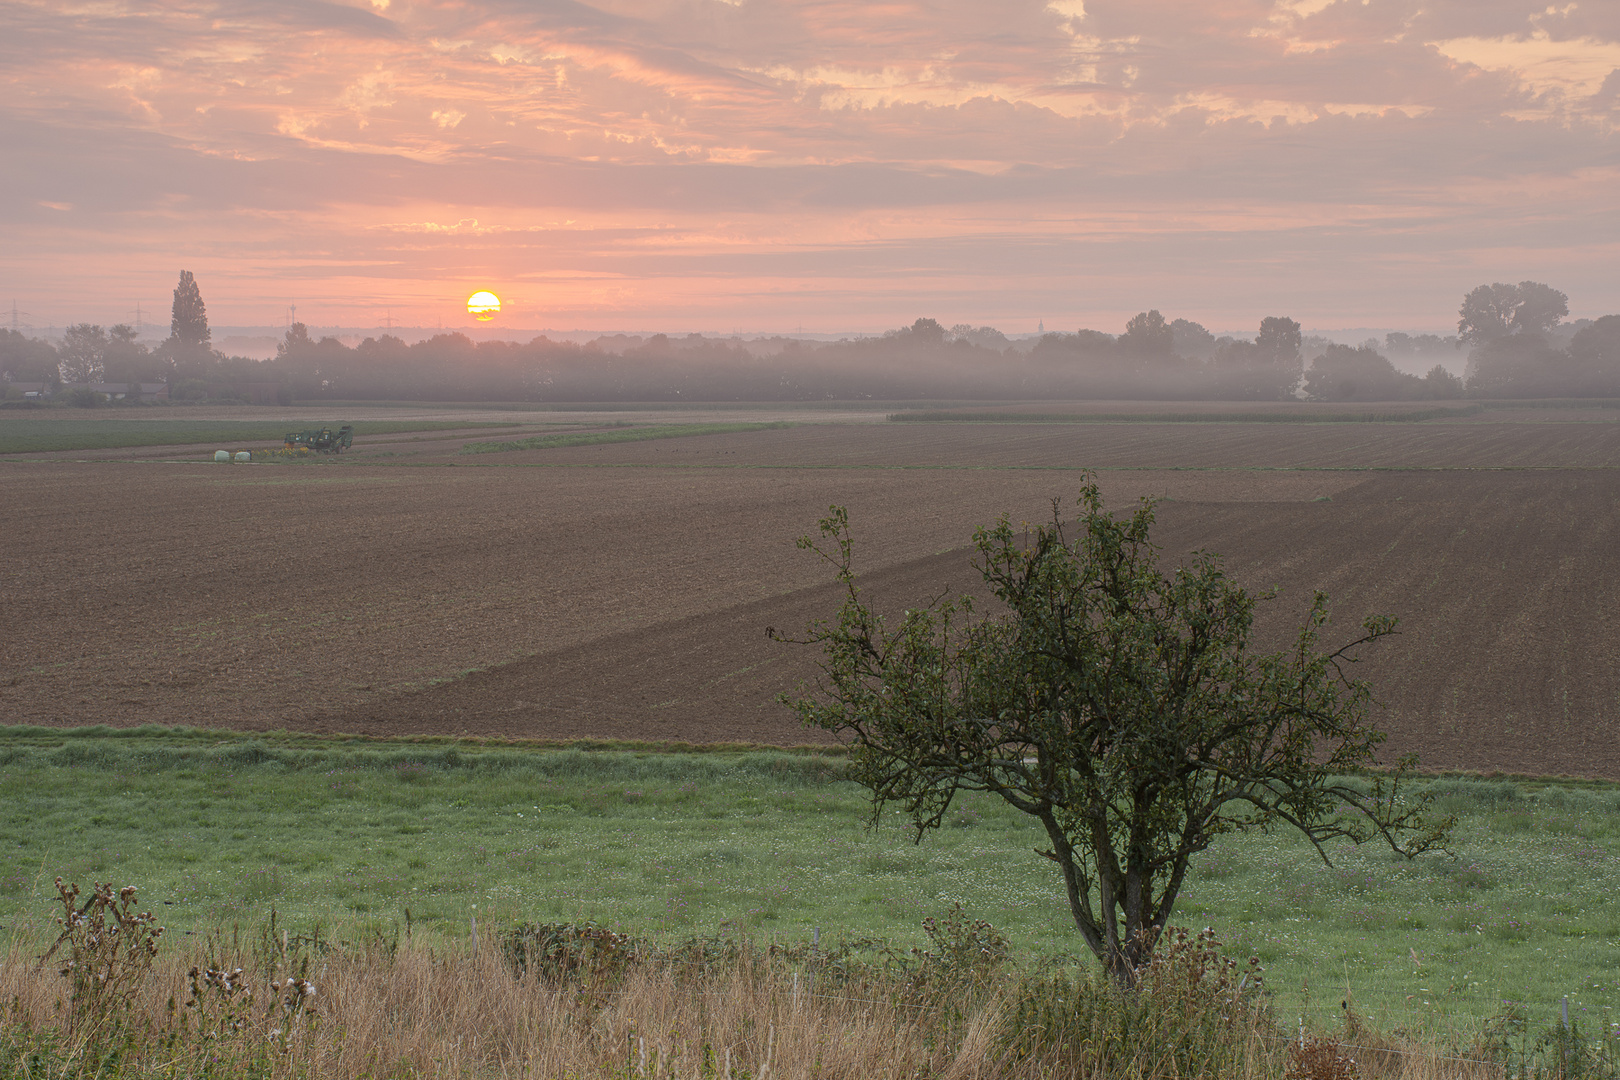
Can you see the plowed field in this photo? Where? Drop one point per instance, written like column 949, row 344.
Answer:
column 623, row 590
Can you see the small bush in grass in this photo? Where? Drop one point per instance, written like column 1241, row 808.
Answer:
column 1193, row 1013
column 963, row 949
column 556, row 953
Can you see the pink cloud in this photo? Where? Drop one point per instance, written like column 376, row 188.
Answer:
column 836, row 164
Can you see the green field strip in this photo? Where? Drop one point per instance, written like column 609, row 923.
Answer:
column 720, row 467
column 865, row 405
column 218, row 828
column 1412, row 417
column 30, row 435
column 620, row 435
column 743, row 467
column 121, row 747
column 125, row 746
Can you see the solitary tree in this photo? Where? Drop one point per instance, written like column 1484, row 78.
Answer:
column 1594, row 355
column 83, row 349
column 1265, row 369
column 188, row 323
column 187, row 353
column 295, row 343
column 927, row 330
column 127, row 360
column 1508, row 325
column 1492, row 312
column 27, row 359
column 1148, row 334
column 1119, row 706
column 1191, row 340
column 1279, row 341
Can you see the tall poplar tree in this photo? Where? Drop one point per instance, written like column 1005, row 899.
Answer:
column 188, row 325
column 188, row 350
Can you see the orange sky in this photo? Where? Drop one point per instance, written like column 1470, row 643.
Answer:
column 835, row 165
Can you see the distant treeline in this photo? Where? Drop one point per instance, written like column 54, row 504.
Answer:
column 1518, row 348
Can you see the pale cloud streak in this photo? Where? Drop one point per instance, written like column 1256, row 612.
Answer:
column 825, row 162
column 1573, row 69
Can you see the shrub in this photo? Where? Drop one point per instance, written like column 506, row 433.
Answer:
column 1192, row 1013
column 566, row 952
column 82, row 397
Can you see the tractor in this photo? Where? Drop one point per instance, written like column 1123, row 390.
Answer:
column 321, row 440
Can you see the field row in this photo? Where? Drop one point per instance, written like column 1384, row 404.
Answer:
column 631, row 601
column 1145, row 445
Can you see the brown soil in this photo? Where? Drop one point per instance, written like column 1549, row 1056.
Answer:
column 1179, row 445
column 630, row 600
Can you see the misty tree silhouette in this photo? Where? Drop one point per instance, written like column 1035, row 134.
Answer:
column 189, row 323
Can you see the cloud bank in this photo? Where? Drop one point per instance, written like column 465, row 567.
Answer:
column 762, row 164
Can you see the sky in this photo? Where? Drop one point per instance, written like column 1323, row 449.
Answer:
column 830, row 165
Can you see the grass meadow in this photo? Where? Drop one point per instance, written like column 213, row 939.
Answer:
column 774, row 847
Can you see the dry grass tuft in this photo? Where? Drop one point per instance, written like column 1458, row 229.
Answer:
column 581, row 1002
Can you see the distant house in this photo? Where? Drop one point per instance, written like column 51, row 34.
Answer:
column 146, row 392
column 11, row 391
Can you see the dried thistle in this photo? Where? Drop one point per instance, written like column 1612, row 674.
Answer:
column 109, row 951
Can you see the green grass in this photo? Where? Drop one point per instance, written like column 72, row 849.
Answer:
column 617, row 435
column 215, row 830
column 30, row 434
column 1287, row 416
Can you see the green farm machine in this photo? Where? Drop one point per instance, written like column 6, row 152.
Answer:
column 322, row 440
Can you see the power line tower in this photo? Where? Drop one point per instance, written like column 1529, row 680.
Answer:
column 16, row 323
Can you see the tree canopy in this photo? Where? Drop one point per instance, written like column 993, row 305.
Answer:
column 83, row 347
column 1490, row 312
column 1147, row 334
column 27, row 359
column 188, row 323
column 1120, row 706
column 1343, row 373
column 1265, row 369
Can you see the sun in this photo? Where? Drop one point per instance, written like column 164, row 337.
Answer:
column 483, row 306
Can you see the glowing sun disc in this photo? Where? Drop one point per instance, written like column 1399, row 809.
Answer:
column 483, row 306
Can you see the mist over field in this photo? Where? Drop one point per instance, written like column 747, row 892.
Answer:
column 1512, row 342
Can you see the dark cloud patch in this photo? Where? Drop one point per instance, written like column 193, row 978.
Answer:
column 306, row 15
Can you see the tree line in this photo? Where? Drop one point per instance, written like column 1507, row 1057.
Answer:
column 1519, row 346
